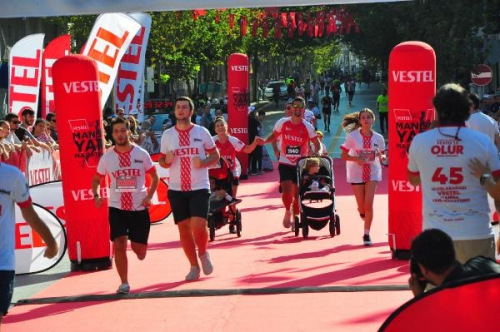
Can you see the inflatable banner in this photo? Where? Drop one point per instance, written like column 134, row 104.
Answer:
column 108, row 41
column 56, row 49
column 412, row 85
column 130, row 77
column 238, row 102
column 470, row 305
column 25, row 71
column 30, row 246
column 78, row 104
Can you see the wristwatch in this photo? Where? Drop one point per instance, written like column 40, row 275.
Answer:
column 484, row 178
column 96, row 196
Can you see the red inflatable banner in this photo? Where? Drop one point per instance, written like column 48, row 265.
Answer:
column 412, row 85
column 237, row 102
column 56, row 49
column 78, row 104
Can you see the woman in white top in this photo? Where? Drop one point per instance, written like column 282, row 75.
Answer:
column 362, row 152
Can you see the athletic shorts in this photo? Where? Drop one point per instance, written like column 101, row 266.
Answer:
column 287, row 173
column 187, row 204
column 6, row 290
column 327, row 111
column 134, row 224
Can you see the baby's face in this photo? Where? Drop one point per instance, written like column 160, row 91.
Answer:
column 313, row 169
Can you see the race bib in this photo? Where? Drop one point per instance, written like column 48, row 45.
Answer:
column 367, row 155
column 293, row 151
column 126, row 184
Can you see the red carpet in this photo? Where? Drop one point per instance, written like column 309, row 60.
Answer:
column 265, row 257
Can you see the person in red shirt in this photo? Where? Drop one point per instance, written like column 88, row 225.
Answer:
column 295, row 134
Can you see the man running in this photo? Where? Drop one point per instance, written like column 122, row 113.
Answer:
column 126, row 165
column 188, row 150
column 295, row 134
column 14, row 189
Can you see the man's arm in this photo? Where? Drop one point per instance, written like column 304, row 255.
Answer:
column 153, row 175
column 497, row 141
column 479, row 170
column 32, row 218
column 270, row 138
column 96, row 183
column 317, row 145
column 414, row 178
column 211, row 159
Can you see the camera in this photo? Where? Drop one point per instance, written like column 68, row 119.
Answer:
column 415, row 270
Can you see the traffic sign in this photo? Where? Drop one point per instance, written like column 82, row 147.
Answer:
column 481, row 75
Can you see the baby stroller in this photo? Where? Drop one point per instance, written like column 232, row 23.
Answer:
column 219, row 212
column 317, row 199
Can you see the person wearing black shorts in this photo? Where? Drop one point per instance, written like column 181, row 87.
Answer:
column 327, row 111
column 127, row 166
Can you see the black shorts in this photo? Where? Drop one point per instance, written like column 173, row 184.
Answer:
column 327, row 111
column 287, row 173
column 134, row 224
column 6, row 290
column 187, row 204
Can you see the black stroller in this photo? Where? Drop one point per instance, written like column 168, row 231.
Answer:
column 219, row 212
column 320, row 191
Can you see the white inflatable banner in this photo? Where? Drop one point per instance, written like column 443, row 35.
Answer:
column 25, row 67
column 108, row 42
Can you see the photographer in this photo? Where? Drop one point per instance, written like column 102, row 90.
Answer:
column 433, row 261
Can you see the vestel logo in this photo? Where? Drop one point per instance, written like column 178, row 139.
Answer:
column 239, row 68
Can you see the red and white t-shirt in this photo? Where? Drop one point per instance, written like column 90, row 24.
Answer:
column 358, row 145
column 127, row 172
column 228, row 151
column 186, row 144
column 453, row 200
column 13, row 189
column 294, row 139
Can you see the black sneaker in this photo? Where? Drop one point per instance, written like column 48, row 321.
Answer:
column 232, row 229
column 235, row 201
column 367, row 241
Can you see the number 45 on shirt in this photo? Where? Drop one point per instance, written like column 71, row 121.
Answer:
column 452, row 176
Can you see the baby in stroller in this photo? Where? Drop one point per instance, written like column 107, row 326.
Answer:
column 221, row 180
column 311, row 180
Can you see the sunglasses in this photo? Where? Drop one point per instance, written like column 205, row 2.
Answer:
column 298, row 105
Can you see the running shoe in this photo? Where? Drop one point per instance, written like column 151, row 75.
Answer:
column 194, row 273
column 206, row 264
column 367, row 241
column 123, row 289
column 286, row 219
column 235, row 201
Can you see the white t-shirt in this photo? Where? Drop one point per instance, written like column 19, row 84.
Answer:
column 358, row 145
column 294, row 139
column 127, row 172
column 309, row 116
column 186, row 144
column 13, row 189
column 483, row 123
column 453, row 200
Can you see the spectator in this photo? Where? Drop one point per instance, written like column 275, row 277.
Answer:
column 382, row 108
column 120, row 113
column 5, row 147
column 39, row 131
column 207, row 120
column 51, row 118
column 433, row 261
column 453, row 200
column 134, row 131
column 25, row 143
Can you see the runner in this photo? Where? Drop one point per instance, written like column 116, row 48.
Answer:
column 14, row 189
column 228, row 146
column 126, row 165
column 188, row 150
column 295, row 133
column 362, row 150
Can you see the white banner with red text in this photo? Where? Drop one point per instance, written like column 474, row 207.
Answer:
column 25, row 63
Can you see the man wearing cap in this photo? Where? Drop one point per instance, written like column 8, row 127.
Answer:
column 295, row 134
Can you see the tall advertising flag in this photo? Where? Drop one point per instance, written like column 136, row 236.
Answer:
column 238, row 101
column 56, row 49
column 412, row 85
column 25, row 64
column 78, row 104
column 130, row 77
column 108, row 42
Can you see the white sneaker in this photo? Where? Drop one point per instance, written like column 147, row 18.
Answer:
column 194, row 273
column 286, row 219
column 123, row 289
column 206, row 264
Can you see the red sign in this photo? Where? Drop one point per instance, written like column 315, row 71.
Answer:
column 238, row 101
column 481, row 75
column 412, row 84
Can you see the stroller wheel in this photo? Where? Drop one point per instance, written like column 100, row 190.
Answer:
column 337, row 224
column 297, row 225
column 332, row 224
column 305, row 226
column 238, row 223
column 211, row 228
